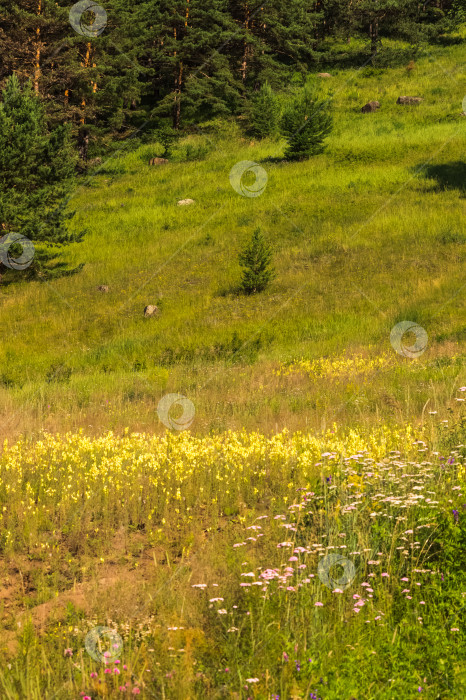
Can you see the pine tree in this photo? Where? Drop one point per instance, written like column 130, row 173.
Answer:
column 306, row 123
column 264, row 113
column 36, row 168
column 255, row 260
column 191, row 73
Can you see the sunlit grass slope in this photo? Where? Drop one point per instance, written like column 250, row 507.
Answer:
column 370, row 233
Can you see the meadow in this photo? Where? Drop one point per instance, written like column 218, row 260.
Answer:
column 305, row 537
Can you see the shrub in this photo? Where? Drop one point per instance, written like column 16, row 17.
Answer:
column 306, row 123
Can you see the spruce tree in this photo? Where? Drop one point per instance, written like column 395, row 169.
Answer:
column 36, row 169
column 255, row 260
column 264, row 113
column 306, row 122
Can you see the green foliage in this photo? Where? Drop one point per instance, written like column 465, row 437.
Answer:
column 255, row 260
column 264, row 113
column 306, row 123
column 36, row 171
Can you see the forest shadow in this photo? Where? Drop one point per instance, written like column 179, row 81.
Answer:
column 449, row 176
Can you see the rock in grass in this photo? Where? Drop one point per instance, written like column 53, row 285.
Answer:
column 158, row 161
column 151, row 310
column 324, row 75
column 183, row 202
column 407, row 100
column 103, row 288
column 371, row 106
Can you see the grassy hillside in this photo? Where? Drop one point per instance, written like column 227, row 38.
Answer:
column 306, row 537
column 366, row 235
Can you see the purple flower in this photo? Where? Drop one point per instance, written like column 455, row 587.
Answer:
column 298, row 666
column 328, row 479
column 455, row 515
column 451, row 460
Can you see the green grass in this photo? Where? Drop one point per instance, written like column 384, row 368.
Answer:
column 368, row 234
column 116, row 529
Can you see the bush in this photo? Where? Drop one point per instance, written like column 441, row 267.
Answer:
column 255, row 261
column 264, row 113
column 305, row 124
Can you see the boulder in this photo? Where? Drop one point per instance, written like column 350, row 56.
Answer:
column 151, row 310
column 102, row 288
column 158, row 161
column 183, row 202
column 371, row 106
column 324, row 75
column 407, row 100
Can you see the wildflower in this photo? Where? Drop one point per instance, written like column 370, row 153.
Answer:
column 285, row 656
column 136, row 691
column 252, row 680
column 385, row 574
column 107, row 670
column 320, row 605
column 93, row 674
column 68, row 652
column 455, row 515
column 454, row 629
column 116, row 670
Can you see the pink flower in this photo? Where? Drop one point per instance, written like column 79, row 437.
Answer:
column 136, row 691
column 116, row 670
column 385, row 574
column 68, row 652
column 107, row 670
column 320, row 605
column 93, row 674
column 123, row 688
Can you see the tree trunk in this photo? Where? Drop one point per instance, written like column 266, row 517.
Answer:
column 374, row 35
column 37, row 54
column 177, row 103
column 83, row 143
column 244, row 64
column 86, row 65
